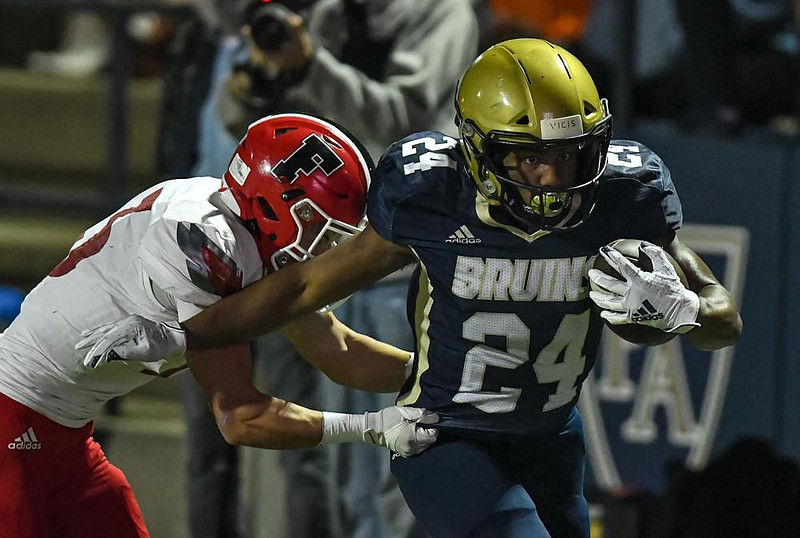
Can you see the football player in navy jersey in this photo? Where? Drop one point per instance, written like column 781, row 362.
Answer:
column 503, row 224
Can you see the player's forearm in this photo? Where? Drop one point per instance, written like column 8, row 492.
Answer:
column 258, row 309
column 366, row 364
column 270, row 423
column 244, row 415
column 718, row 315
column 376, row 366
column 276, row 424
column 347, row 357
column 720, row 323
column 296, row 290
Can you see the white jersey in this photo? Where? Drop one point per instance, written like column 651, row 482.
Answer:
column 167, row 254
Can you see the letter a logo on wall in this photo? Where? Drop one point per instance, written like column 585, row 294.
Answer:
column 643, row 407
column 313, row 153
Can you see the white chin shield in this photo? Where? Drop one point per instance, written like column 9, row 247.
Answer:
column 317, row 232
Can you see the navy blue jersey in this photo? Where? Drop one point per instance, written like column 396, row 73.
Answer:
column 504, row 328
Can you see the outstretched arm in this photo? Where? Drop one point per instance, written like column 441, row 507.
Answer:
column 244, row 415
column 296, row 290
column 347, row 357
column 248, row 417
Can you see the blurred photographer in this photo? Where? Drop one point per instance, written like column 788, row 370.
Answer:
column 382, row 69
column 279, row 50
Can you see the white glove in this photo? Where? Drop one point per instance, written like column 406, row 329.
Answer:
column 400, row 429
column 657, row 299
column 132, row 339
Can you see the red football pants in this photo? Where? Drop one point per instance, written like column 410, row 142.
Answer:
column 56, row 482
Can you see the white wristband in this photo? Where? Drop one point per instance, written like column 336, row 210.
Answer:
column 342, row 427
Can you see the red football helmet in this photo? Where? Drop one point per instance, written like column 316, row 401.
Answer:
column 300, row 184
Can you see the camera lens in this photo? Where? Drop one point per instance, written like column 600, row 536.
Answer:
column 269, row 27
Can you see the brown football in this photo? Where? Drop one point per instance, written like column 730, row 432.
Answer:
column 634, row 332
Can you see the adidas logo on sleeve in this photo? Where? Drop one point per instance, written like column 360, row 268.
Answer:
column 26, row 441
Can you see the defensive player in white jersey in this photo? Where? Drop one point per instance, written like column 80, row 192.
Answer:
column 295, row 187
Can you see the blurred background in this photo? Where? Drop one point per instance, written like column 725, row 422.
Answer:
column 674, row 434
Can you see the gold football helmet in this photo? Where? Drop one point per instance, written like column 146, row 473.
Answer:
column 531, row 95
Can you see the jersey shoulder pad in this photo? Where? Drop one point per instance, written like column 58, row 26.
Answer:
column 418, row 170
column 628, row 159
column 199, row 258
column 635, row 173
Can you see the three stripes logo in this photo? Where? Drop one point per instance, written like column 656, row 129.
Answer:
column 646, row 312
column 26, row 441
column 462, row 235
